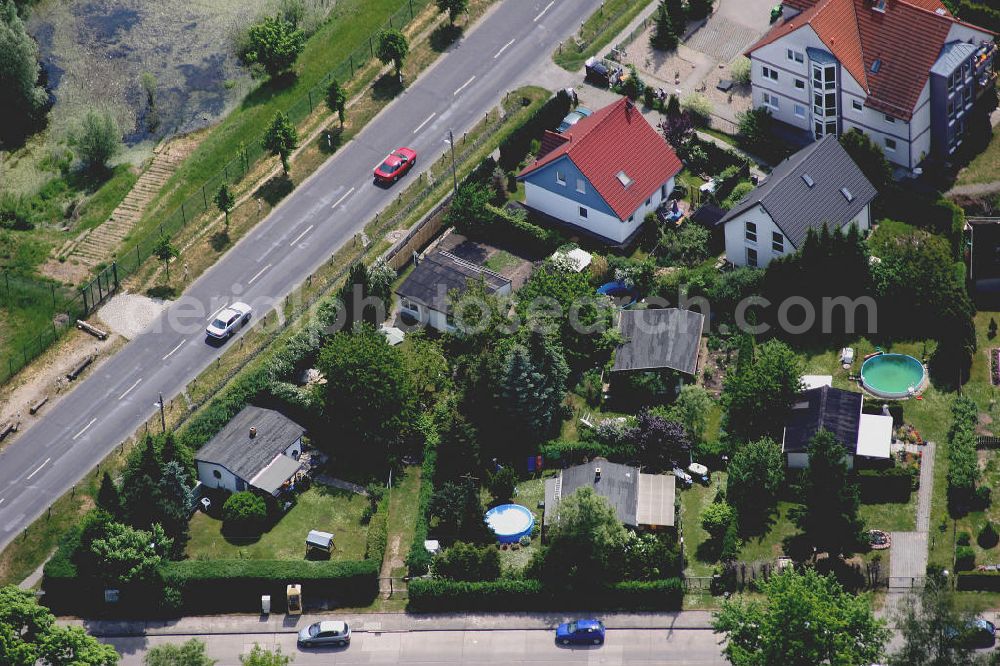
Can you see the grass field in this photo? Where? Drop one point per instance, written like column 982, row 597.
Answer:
column 319, row 508
column 598, row 31
column 985, row 168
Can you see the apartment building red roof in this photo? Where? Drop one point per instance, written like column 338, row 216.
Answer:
column 905, row 40
column 613, row 141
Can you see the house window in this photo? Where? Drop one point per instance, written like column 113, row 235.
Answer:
column 795, row 56
column 649, row 201
column 878, row 5
column 560, row 177
column 751, row 257
column 770, row 100
column 951, row 109
column 769, row 73
column 889, row 119
column 800, row 111
column 967, row 94
column 800, row 84
column 663, row 192
column 857, row 106
column 890, row 144
column 751, row 232
column 583, row 212
column 216, row 473
column 631, row 217
column 777, row 242
column 581, row 186
column 241, row 485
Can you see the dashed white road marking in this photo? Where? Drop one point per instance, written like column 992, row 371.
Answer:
column 542, row 13
column 259, row 273
column 2, row 500
column 85, row 428
column 171, row 352
column 341, row 199
column 129, row 389
column 502, row 49
column 421, row 125
column 463, row 86
column 294, row 242
column 38, row 469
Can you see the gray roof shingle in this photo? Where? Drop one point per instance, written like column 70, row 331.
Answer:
column 619, row 484
column 831, row 409
column 234, row 449
column 795, row 206
column 439, row 273
column 666, row 338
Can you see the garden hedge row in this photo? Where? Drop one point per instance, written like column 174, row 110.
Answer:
column 516, row 145
column 231, row 586
column 893, row 484
column 509, row 228
column 433, row 595
column 980, row 581
column 378, row 532
column 574, row 452
column 418, row 561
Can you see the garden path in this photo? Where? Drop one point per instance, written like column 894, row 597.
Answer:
column 908, row 565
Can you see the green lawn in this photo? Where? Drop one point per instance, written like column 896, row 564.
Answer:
column 402, row 519
column 985, row 168
column 501, row 260
column 693, row 502
column 598, row 31
column 319, row 508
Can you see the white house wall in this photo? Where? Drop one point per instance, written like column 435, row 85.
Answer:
column 737, row 244
column 207, row 477
column 567, row 210
column 294, row 450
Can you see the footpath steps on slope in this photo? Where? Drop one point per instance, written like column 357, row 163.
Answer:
column 98, row 244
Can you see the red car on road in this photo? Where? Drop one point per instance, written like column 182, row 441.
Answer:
column 397, row 163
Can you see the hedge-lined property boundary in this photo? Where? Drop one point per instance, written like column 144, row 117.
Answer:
column 431, row 595
column 978, row 581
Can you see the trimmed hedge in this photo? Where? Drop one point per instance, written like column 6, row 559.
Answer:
column 893, row 484
column 432, row 595
column 517, row 144
column 418, row 561
column 979, row 581
column 229, row 586
column 378, row 532
column 574, row 452
column 511, row 229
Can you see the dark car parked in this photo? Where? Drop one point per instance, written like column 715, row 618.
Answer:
column 580, row 632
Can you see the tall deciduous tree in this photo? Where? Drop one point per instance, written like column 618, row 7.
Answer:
column 756, row 475
column 128, row 555
column 225, row 201
column 928, row 625
column 369, row 398
column 98, row 140
column 165, row 251
column 805, row 618
column 660, row 442
column 281, row 138
column 274, row 44
column 336, row 99
column 455, row 8
column 586, row 544
column 393, row 47
column 25, row 102
column 828, row 513
column 29, row 636
column 691, row 409
column 758, row 396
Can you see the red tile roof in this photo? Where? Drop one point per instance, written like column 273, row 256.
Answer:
column 614, row 139
column 907, row 38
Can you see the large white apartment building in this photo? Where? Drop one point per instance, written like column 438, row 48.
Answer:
column 905, row 72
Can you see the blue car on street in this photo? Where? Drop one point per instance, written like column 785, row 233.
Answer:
column 580, row 632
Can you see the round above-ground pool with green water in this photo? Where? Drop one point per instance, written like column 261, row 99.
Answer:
column 892, row 375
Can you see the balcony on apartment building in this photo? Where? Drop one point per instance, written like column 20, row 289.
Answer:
column 982, row 67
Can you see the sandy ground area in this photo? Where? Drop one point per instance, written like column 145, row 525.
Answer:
column 128, row 315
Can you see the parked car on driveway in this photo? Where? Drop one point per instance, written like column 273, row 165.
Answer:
column 327, row 632
column 978, row 633
column 227, row 320
column 395, row 165
column 573, row 117
column 580, row 632
column 600, row 73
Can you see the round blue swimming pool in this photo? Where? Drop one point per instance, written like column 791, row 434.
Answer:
column 893, row 375
column 510, row 522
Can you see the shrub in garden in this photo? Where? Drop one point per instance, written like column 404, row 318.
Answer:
column 963, row 539
column 988, row 537
column 965, row 558
column 244, row 512
column 503, row 483
column 465, row 561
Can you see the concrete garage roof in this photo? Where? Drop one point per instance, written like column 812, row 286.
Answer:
column 246, row 456
column 656, row 500
column 667, row 338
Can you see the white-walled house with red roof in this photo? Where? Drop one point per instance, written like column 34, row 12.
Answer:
column 905, row 72
column 603, row 175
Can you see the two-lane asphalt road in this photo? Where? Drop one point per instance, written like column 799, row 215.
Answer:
column 321, row 215
column 634, row 647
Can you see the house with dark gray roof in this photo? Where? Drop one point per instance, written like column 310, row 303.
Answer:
column 639, row 500
column 657, row 339
column 839, row 412
column 259, row 448
column 426, row 292
column 818, row 185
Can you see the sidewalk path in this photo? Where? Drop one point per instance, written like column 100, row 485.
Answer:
column 386, row 623
column 908, row 564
